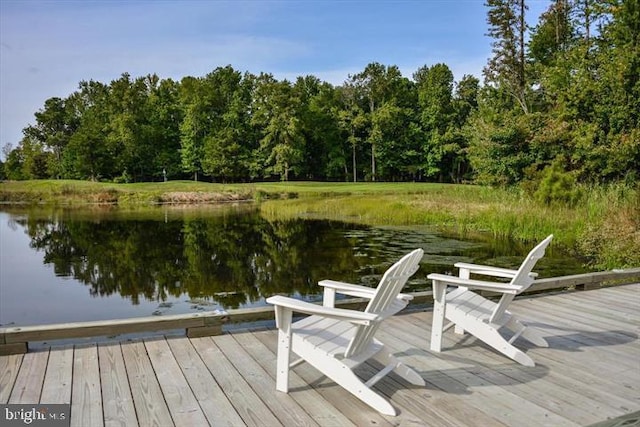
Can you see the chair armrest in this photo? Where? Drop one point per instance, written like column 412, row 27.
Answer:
column 352, row 316
column 405, row 297
column 488, row 270
column 357, row 291
column 505, row 288
column 348, row 288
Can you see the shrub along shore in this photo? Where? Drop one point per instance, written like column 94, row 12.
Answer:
column 604, row 227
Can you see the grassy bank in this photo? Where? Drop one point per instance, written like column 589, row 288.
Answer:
column 69, row 192
column 604, row 226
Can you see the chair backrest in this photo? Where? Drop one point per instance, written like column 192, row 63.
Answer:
column 523, row 278
column 386, row 294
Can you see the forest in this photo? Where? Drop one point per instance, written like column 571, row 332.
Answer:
column 558, row 103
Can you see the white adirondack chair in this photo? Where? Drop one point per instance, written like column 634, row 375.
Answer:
column 335, row 340
column 483, row 318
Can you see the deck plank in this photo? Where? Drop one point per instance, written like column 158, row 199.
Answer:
column 9, row 369
column 617, row 295
column 59, row 376
column 182, row 404
column 588, row 314
column 286, row 409
column 567, row 352
column 500, row 402
column 414, row 403
column 322, row 411
column 618, row 390
column 626, row 300
column 214, row 403
column 622, row 293
column 560, row 319
column 116, row 392
column 560, row 380
column 151, row 408
column 28, row 385
column 358, row 412
column 590, row 372
column 86, row 396
column 448, row 402
column 572, row 336
column 532, row 384
column 246, row 402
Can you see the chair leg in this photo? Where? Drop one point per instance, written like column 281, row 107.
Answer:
column 400, row 368
column 439, row 291
column 532, row 335
column 493, row 338
column 488, row 334
column 519, row 356
column 343, row 375
column 355, row 386
column 283, row 320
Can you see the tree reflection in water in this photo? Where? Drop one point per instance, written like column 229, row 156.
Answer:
column 234, row 257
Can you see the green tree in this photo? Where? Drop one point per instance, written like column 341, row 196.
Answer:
column 435, row 100
column 465, row 99
column 14, row 162
column 506, row 69
column 226, row 147
column 163, row 129
column 557, row 186
column 276, row 109
column 588, row 85
column 55, row 124
column 553, row 35
column 377, row 84
column 127, row 126
column 464, row 104
column 353, row 122
column 87, row 156
column 498, row 148
column 36, row 159
column 193, row 128
column 324, row 155
column 398, row 139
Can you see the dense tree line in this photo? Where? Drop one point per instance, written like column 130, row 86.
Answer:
column 560, row 98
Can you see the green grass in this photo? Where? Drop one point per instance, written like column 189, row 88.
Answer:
column 463, row 210
column 604, row 226
column 70, row 191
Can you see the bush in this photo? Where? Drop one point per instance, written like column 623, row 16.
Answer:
column 557, row 186
column 614, row 242
column 125, row 178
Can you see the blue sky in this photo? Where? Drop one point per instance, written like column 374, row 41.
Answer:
column 48, row 47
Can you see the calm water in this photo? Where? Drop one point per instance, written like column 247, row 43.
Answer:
column 77, row 265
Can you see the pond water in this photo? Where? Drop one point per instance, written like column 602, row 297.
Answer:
column 70, row 265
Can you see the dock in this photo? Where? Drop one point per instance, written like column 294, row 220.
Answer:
column 589, row 373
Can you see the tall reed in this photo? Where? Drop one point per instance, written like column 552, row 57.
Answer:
column 604, row 227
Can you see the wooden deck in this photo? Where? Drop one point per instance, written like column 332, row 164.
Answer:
column 590, row 372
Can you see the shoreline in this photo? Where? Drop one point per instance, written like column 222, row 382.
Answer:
column 603, row 228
